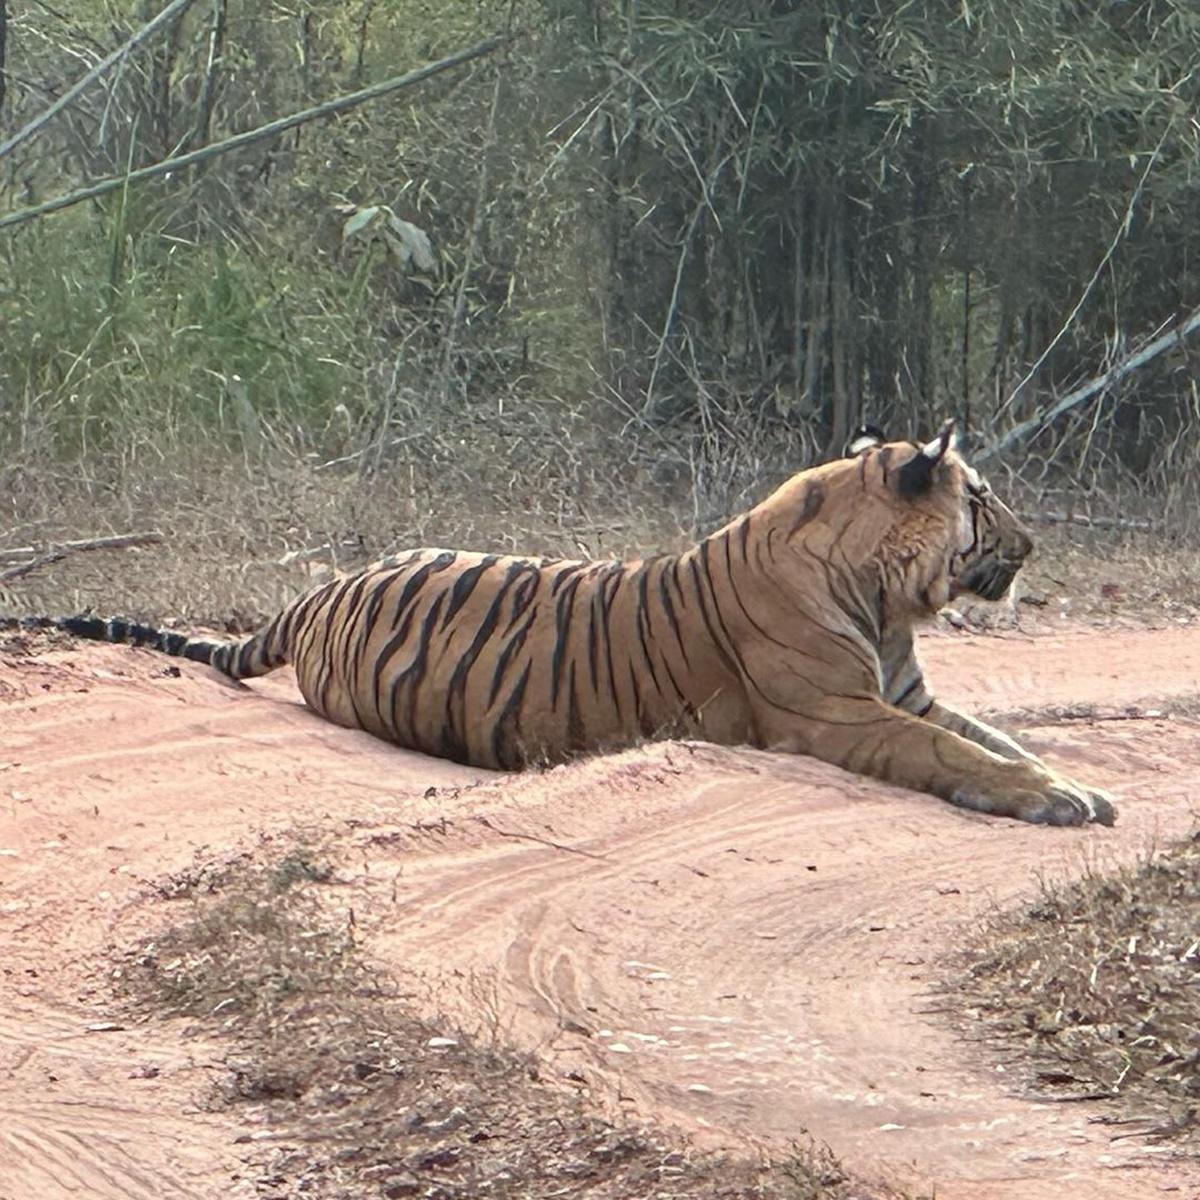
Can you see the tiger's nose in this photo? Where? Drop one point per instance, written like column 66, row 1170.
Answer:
column 1022, row 544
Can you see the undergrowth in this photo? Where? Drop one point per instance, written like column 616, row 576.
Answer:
column 1097, row 982
column 364, row 1097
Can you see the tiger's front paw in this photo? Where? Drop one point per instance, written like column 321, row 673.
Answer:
column 1052, row 801
column 1102, row 809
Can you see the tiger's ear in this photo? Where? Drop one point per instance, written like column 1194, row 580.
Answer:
column 867, row 438
column 916, row 475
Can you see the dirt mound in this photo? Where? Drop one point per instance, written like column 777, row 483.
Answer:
column 739, row 942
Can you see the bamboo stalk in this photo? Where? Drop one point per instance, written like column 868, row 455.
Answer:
column 250, row 136
column 168, row 14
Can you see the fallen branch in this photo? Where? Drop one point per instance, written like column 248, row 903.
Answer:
column 1064, row 518
column 250, row 136
column 1039, row 421
column 58, row 553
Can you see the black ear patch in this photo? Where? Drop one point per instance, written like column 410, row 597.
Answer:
column 916, row 476
column 867, row 438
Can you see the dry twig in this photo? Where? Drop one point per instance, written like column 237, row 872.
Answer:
column 58, row 553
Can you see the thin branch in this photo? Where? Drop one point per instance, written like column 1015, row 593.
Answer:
column 208, row 90
column 168, row 14
column 1039, row 421
column 328, row 108
column 669, row 319
column 58, row 553
column 458, row 311
column 684, row 250
column 1064, row 518
column 541, row 841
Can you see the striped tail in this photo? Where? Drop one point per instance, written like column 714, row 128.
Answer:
column 240, row 658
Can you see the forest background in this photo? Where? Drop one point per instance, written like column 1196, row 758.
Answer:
column 591, row 291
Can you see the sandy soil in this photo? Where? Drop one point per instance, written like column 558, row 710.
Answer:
column 740, row 943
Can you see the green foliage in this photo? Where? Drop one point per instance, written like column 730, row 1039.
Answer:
column 730, row 216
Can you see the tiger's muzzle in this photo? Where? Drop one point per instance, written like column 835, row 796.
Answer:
column 990, row 578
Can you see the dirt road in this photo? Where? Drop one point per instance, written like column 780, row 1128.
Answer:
column 738, row 942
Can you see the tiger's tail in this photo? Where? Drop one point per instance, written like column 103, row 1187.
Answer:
column 238, row 658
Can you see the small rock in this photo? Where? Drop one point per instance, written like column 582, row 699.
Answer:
column 400, row 1185
column 441, row 1043
column 439, row 1156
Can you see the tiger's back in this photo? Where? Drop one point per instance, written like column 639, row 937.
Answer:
column 499, row 661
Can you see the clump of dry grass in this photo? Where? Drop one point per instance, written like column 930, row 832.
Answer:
column 1097, row 981
column 243, row 537
column 355, row 1095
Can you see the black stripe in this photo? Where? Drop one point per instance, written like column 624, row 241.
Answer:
column 669, row 609
column 511, row 648
column 576, row 732
column 642, row 621
column 598, row 623
column 639, row 711
column 402, row 621
column 908, row 691
column 564, row 611
column 616, row 578
column 567, row 573
column 455, row 730
column 524, row 594
column 814, row 499
column 337, row 648
column 506, row 732
column 379, row 594
column 414, row 675
column 731, row 656
column 464, row 585
column 298, row 614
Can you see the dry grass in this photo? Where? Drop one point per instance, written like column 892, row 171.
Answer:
column 243, row 537
column 350, row 1093
column 1094, row 575
column 1097, row 983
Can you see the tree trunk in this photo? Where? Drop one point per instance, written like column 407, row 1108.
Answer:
column 924, row 247
column 3, row 56
column 798, row 287
column 208, row 93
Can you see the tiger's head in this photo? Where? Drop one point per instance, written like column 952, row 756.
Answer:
column 936, row 529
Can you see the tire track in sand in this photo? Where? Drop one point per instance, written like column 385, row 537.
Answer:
column 745, row 946
column 745, row 943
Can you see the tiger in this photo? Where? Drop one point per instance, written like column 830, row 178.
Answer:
column 790, row 629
